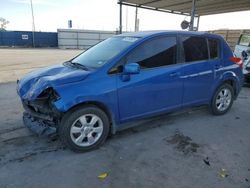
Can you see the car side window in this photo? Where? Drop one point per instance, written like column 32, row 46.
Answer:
column 214, row 48
column 195, row 48
column 157, row 52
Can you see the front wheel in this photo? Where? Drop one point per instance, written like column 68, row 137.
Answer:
column 84, row 129
column 222, row 99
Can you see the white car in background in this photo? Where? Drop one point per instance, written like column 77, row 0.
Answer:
column 242, row 50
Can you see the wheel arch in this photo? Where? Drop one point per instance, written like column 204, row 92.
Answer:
column 232, row 83
column 101, row 106
column 230, row 78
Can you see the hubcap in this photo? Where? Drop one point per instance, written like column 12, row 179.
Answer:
column 223, row 99
column 86, row 130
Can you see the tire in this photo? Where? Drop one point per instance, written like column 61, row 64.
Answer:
column 84, row 128
column 222, row 99
column 247, row 79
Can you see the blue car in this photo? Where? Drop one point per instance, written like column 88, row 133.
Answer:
column 129, row 77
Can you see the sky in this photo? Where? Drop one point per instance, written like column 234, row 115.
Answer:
column 104, row 15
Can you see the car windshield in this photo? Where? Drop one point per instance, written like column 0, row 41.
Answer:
column 245, row 40
column 99, row 54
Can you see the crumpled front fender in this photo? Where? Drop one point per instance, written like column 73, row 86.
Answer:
column 36, row 89
column 34, row 83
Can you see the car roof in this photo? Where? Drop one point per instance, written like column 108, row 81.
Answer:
column 144, row 34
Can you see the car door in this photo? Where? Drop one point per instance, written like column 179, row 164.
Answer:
column 215, row 54
column 157, row 87
column 198, row 70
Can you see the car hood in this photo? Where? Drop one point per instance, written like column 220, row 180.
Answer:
column 32, row 85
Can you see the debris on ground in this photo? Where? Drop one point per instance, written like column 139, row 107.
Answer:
column 247, row 180
column 223, row 173
column 103, row 175
column 206, row 161
column 183, row 143
column 237, row 117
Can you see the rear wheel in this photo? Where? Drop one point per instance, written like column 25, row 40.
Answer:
column 247, row 78
column 222, row 99
column 84, row 128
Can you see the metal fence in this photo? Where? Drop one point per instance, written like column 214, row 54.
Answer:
column 25, row 39
column 81, row 39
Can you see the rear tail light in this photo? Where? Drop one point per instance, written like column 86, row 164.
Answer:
column 237, row 61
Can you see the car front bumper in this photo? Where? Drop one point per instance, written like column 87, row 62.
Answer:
column 39, row 126
column 41, row 118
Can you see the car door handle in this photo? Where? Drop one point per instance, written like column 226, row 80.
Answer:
column 173, row 74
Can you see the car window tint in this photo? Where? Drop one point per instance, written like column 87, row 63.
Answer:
column 245, row 40
column 213, row 48
column 156, row 52
column 195, row 48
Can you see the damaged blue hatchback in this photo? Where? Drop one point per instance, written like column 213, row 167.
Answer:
column 126, row 78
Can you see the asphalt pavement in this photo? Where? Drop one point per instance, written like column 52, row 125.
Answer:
column 187, row 149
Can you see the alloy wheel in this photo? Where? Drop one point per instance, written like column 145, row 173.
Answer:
column 223, row 99
column 86, row 130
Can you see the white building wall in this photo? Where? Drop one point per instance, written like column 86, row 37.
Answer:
column 81, row 39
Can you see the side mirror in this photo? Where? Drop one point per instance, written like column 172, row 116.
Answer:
column 131, row 68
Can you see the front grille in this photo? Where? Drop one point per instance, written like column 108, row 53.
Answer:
column 42, row 110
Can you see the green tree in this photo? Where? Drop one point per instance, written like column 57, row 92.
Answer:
column 3, row 24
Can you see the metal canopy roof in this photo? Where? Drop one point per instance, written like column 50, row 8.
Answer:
column 202, row 7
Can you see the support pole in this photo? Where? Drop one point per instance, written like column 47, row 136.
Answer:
column 127, row 19
column 120, row 27
column 33, row 24
column 136, row 14
column 198, row 23
column 191, row 27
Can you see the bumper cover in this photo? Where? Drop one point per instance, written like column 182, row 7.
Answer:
column 38, row 126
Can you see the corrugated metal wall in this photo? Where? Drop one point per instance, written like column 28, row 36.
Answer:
column 24, row 39
column 231, row 36
column 81, row 39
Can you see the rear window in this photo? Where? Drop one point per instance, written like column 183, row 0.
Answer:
column 195, row 48
column 213, row 48
column 244, row 40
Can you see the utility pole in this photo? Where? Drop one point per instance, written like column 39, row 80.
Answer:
column 136, row 19
column 33, row 24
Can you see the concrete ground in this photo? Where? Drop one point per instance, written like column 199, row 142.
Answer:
column 180, row 150
column 14, row 63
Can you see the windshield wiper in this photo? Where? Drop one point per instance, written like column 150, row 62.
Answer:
column 77, row 65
